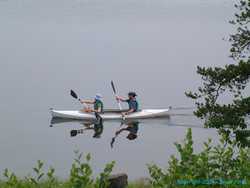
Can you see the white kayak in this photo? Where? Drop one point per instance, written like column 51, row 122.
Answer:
column 109, row 114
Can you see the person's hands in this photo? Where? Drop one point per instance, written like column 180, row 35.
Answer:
column 117, row 98
column 87, row 110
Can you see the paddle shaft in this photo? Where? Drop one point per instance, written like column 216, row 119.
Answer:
column 118, row 101
column 116, row 135
column 74, row 95
column 114, row 90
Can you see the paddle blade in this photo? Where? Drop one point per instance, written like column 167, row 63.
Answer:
column 113, row 87
column 73, row 94
column 112, row 142
column 73, row 133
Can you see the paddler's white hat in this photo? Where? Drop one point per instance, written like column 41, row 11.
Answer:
column 98, row 96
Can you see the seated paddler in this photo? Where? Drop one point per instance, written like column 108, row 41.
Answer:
column 132, row 103
column 97, row 104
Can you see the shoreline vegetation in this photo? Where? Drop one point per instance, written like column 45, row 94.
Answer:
column 223, row 165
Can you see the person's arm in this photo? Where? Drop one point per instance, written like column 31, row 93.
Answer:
column 98, row 110
column 87, row 101
column 128, row 112
column 119, row 98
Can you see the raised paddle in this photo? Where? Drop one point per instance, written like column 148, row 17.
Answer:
column 114, row 90
column 74, row 95
column 119, row 104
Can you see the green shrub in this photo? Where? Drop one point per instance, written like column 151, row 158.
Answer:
column 224, row 162
column 140, row 183
column 80, row 176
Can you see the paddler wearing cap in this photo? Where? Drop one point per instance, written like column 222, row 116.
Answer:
column 132, row 103
column 97, row 104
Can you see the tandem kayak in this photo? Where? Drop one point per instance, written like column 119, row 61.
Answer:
column 110, row 114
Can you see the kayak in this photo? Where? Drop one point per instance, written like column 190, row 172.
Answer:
column 110, row 114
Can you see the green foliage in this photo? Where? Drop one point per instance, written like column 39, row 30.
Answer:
column 102, row 179
column 11, row 178
column 38, row 173
column 51, row 177
column 241, row 39
column 224, row 161
column 230, row 80
column 80, row 176
column 12, row 181
column 141, row 183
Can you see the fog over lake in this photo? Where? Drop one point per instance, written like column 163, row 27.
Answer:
column 48, row 47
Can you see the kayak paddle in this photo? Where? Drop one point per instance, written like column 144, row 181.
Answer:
column 114, row 90
column 74, row 95
column 119, row 104
column 116, row 135
column 75, row 132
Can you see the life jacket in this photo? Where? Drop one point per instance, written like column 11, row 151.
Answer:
column 98, row 104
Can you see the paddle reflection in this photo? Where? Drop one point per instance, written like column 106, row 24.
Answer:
column 96, row 127
column 131, row 127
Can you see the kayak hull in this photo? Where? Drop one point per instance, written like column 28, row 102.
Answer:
column 109, row 115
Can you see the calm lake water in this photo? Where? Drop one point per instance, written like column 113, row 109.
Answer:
column 152, row 47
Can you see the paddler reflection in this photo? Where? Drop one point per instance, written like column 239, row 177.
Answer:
column 132, row 129
column 96, row 126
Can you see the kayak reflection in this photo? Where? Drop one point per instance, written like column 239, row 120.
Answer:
column 96, row 126
column 128, row 129
column 131, row 127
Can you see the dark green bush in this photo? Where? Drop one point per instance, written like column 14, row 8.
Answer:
column 224, row 165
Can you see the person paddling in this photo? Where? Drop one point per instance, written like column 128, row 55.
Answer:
column 132, row 103
column 97, row 102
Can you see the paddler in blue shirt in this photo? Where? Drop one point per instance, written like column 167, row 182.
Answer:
column 97, row 102
column 132, row 103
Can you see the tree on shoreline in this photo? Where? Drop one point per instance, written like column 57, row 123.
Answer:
column 231, row 79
